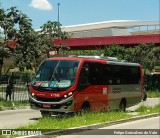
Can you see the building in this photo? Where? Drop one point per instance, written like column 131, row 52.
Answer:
column 100, row 34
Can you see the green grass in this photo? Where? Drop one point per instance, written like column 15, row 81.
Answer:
column 153, row 94
column 12, row 104
column 87, row 119
column 77, row 120
column 5, row 136
column 55, row 123
column 148, row 110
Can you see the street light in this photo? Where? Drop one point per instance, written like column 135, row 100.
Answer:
column 58, row 10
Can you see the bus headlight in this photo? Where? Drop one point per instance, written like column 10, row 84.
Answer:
column 65, row 96
column 68, row 95
column 33, row 94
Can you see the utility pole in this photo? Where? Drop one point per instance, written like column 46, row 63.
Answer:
column 58, row 10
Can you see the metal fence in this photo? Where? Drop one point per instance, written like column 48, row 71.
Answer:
column 152, row 82
column 20, row 86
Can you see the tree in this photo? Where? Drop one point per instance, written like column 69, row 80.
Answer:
column 17, row 27
column 115, row 50
column 156, row 52
column 30, row 45
column 146, row 54
column 143, row 54
column 7, row 31
column 50, row 31
column 28, row 48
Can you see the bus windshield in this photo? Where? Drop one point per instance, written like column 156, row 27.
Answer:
column 55, row 74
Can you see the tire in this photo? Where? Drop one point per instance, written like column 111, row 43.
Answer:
column 145, row 97
column 85, row 108
column 46, row 113
column 122, row 106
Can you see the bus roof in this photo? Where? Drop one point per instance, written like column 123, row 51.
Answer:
column 104, row 60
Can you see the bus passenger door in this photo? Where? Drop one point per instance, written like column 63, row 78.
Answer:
column 90, row 88
column 96, row 90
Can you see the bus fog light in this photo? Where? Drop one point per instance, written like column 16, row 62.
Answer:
column 65, row 96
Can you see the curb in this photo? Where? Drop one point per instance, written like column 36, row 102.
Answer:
column 13, row 108
column 91, row 127
column 99, row 125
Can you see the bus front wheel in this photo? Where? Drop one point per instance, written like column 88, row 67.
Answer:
column 85, row 108
column 46, row 113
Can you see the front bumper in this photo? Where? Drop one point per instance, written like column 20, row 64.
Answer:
column 65, row 105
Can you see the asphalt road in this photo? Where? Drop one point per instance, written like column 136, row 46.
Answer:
column 150, row 102
column 17, row 118
column 123, row 129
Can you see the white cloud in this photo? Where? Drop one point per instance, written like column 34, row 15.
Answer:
column 41, row 4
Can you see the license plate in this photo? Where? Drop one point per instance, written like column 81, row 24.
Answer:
column 46, row 105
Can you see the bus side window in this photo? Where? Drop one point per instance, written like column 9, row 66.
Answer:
column 135, row 75
column 94, row 75
column 90, row 72
column 106, row 74
column 84, row 74
column 129, row 75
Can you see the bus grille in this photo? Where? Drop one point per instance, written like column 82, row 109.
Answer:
column 48, row 99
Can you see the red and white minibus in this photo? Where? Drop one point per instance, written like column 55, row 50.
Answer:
column 71, row 84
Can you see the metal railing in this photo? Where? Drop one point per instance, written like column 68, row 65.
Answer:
column 152, row 82
column 20, row 86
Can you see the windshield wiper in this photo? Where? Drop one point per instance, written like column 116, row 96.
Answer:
column 53, row 74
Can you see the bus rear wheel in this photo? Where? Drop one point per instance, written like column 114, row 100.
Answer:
column 46, row 113
column 122, row 106
column 145, row 97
